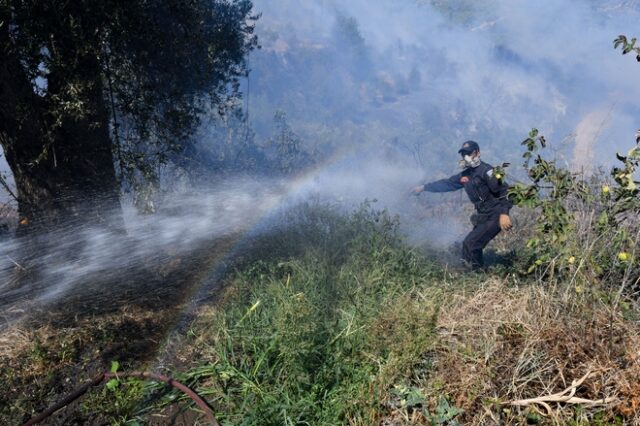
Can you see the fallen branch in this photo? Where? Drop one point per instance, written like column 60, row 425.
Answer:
column 104, row 376
column 566, row 396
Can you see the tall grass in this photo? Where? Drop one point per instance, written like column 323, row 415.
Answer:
column 332, row 319
column 322, row 337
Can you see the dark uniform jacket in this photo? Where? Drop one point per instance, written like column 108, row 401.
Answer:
column 488, row 194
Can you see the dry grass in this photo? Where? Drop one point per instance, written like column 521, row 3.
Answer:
column 504, row 343
column 14, row 340
column 40, row 364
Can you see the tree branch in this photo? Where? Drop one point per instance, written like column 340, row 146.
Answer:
column 566, row 396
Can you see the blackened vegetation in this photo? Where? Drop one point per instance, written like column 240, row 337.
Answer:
column 108, row 318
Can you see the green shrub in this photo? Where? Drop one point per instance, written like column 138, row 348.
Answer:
column 586, row 230
column 319, row 338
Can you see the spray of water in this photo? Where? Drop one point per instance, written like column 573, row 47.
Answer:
column 88, row 259
column 93, row 256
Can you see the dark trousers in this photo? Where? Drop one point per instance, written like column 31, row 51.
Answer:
column 478, row 239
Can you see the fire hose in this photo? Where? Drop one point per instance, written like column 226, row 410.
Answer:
column 104, row 376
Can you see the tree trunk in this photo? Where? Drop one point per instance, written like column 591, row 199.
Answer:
column 65, row 176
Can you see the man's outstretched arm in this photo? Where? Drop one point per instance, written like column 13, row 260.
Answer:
column 442, row 185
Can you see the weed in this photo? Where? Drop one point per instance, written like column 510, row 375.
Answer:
column 117, row 399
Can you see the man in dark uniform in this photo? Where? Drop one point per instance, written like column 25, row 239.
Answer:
column 487, row 191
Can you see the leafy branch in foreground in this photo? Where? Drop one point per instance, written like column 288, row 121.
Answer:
column 585, row 226
column 627, row 46
column 550, row 186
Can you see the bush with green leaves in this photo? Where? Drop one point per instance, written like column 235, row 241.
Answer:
column 586, row 227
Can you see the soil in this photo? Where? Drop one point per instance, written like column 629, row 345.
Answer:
column 137, row 320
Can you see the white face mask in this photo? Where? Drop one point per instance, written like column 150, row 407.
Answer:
column 469, row 161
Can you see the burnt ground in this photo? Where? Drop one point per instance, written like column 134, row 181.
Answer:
column 136, row 320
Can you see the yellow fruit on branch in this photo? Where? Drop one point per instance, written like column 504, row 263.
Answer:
column 623, row 256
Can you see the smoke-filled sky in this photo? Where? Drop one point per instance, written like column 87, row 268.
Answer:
column 440, row 72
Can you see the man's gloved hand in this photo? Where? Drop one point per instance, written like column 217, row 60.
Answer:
column 417, row 190
column 505, row 222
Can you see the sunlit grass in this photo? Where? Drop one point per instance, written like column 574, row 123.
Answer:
column 331, row 318
column 322, row 337
column 358, row 328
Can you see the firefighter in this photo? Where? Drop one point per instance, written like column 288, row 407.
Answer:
column 487, row 191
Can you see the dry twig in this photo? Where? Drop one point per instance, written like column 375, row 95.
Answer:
column 566, row 396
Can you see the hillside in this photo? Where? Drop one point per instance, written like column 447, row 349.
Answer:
column 330, row 318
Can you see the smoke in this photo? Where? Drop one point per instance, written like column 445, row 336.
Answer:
column 444, row 71
column 400, row 84
column 587, row 133
column 426, row 75
column 384, row 93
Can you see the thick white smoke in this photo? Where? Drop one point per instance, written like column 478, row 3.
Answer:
column 482, row 70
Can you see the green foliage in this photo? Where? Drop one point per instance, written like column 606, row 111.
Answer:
column 118, row 399
column 349, row 37
column 144, row 71
column 113, row 384
column 627, row 46
column 161, row 95
column 290, row 155
column 411, row 398
column 565, row 202
column 321, row 337
column 626, row 193
column 551, row 185
column 445, row 413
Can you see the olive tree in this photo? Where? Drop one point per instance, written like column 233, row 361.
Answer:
column 87, row 88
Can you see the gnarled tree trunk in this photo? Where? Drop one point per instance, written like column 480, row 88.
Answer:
column 64, row 172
